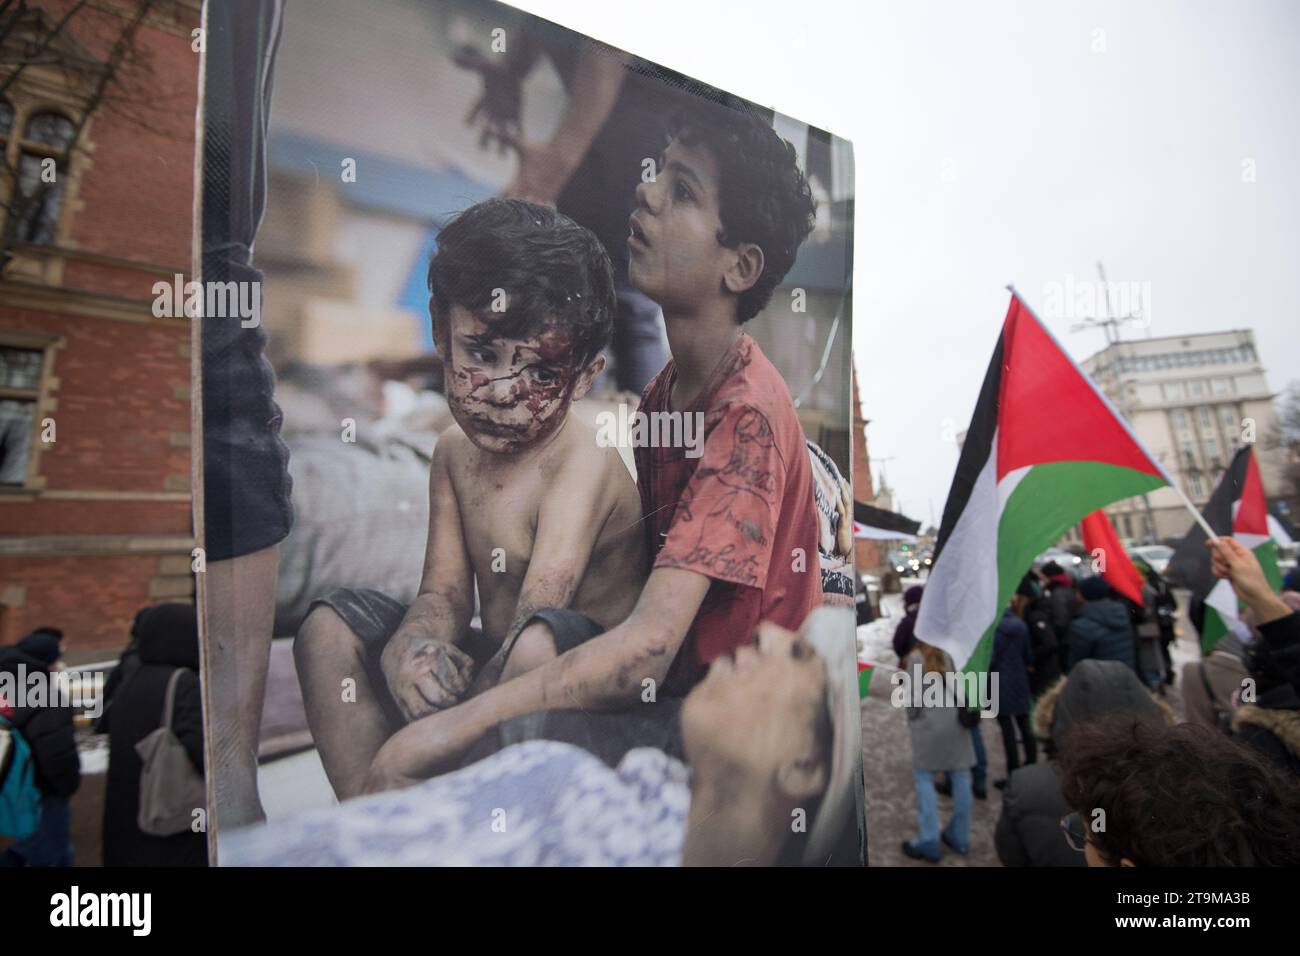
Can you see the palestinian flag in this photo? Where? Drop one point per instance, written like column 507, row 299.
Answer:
column 1237, row 508
column 864, row 678
column 1109, row 558
column 1044, row 449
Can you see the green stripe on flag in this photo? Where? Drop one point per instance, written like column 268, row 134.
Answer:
column 864, row 678
column 1212, row 629
column 1047, row 502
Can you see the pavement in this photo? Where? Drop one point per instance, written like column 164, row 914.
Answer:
column 887, row 751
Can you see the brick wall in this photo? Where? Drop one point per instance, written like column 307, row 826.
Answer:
column 120, row 465
column 93, row 599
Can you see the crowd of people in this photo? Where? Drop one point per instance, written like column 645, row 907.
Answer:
column 154, row 687
column 1082, row 677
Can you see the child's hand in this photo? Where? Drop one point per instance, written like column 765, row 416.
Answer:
column 384, row 774
column 430, row 676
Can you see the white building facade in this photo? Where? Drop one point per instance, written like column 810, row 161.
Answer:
column 1193, row 400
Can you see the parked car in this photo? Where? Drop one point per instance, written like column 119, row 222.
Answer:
column 1066, row 559
column 1155, row 556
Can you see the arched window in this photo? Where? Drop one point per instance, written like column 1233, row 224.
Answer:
column 42, row 168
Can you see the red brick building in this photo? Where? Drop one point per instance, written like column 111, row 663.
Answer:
column 96, row 198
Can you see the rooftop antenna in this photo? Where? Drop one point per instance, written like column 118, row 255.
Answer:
column 1111, row 325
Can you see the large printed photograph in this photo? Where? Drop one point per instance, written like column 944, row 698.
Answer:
column 526, row 511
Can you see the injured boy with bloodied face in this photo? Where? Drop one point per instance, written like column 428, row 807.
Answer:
column 524, row 504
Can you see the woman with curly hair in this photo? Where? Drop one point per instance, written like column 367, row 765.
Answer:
column 1144, row 794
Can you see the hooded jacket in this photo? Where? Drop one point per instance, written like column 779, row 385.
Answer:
column 1102, row 631
column 48, row 730
column 165, row 638
column 1029, row 829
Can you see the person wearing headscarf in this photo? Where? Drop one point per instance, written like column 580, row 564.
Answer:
column 165, row 639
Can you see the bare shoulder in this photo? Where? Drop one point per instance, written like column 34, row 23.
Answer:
column 584, row 461
column 450, row 451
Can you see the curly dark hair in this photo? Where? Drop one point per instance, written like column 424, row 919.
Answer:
column 1184, row 795
column 551, row 269
column 763, row 198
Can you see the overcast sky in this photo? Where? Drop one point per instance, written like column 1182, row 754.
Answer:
column 1003, row 142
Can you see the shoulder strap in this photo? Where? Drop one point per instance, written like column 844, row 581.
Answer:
column 169, row 701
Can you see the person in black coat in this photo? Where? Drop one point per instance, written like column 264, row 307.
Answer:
column 49, row 733
column 1011, row 661
column 1270, row 724
column 1064, row 604
column 1029, row 829
column 166, row 637
column 1037, row 612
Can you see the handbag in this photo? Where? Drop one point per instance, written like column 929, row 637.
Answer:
column 171, row 787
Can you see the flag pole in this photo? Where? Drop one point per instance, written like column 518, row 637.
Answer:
column 1209, row 532
column 1200, row 520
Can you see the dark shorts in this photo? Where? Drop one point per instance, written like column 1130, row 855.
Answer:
column 374, row 617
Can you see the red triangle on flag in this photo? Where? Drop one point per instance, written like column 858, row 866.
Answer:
column 1048, row 410
column 1252, row 514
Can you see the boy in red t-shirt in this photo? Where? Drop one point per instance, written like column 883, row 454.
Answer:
column 711, row 238
column 731, row 524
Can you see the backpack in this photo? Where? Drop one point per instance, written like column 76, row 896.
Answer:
column 20, row 800
column 171, row 787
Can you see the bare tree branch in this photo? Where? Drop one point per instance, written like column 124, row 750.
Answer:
column 44, row 45
column 20, row 206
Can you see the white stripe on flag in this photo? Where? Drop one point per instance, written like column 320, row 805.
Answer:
column 961, row 595
column 1277, row 532
column 1224, row 600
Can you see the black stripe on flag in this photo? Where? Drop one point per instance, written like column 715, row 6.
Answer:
column 1190, row 565
column 975, row 450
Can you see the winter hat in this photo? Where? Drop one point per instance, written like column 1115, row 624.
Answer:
column 913, row 595
column 41, row 644
column 1095, row 688
column 1094, row 588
